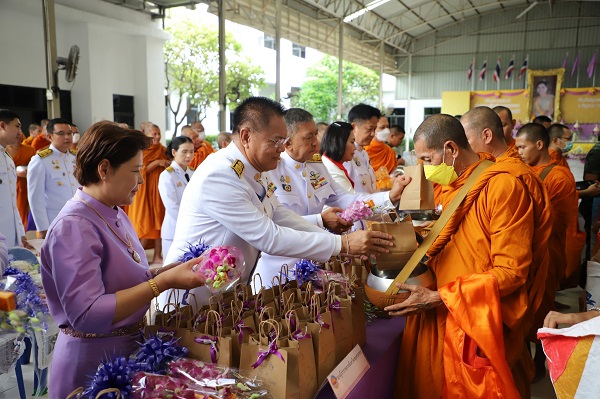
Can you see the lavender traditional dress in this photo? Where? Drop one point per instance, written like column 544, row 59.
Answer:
column 83, row 264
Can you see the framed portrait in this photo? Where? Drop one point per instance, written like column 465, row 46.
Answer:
column 544, row 93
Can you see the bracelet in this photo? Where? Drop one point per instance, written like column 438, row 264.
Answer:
column 596, row 308
column 347, row 244
column 154, row 287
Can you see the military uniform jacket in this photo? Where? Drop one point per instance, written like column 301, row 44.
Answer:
column 50, row 184
column 228, row 202
column 10, row 221
column 306, row 188
column 361, row 172
column 171, row 184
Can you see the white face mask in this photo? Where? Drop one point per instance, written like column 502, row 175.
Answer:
column 383, row 135
column 201, row 136
column 76, row 137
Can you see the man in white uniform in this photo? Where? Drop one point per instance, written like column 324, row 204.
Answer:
column 231, row 201
column 50, row 179
column 304, row 186
column 10, row 220
column 363, row 119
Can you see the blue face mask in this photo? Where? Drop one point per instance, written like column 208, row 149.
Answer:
column 568, row 146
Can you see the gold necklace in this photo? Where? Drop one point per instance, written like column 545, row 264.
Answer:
column 134, row 254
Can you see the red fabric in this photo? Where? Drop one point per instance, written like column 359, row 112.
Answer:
column 341, row 166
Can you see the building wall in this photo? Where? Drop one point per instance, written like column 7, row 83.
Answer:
column 120, row 53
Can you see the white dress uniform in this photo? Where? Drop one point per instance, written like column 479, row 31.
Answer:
column 306, row 188
column 171, row 183
column 50, row 184
column 361, row 171
column 10, row 220
column 228, row 202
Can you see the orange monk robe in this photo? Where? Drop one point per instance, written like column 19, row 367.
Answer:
column 201, row 153
column 147, row 211
column 380, row 155
column 22, row 158
column 28, row 140
column 492, row 232
column 40, row 142
column 557, row 158
column 511, row 152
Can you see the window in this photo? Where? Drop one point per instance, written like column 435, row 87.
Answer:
column 431, row 111
column 123, row 109
column 397, row 117
column 269, row 41
column 298, row 50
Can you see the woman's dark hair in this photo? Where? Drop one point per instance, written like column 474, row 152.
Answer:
column 175, row 143
column 333, row 143
column 106, row 140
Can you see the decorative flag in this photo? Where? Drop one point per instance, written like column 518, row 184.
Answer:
column 592, row 65
column 497, row 71
column 523, row 68
column 483, row 69
column 510, row 68
column 470, row 70
column 575, row 64
column 573, row 355
column 566, row 60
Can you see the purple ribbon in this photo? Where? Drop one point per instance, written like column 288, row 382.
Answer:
column 336, row 308
column 298, row 335
column 262, row 355
column 320, row 321
column 239, row 328
column 206, row 340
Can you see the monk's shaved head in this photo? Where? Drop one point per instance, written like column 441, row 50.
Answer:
column 534, row 132
column 438, row 129
column 480, row 118
column 557, row 131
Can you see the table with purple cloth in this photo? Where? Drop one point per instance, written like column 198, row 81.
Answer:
column 381, row 350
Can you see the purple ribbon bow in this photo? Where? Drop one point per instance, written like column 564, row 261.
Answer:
column 336, row 308
column 240, row 327
column 262, row 355
column 206, row 340
column 320, row 321
column 298, row 335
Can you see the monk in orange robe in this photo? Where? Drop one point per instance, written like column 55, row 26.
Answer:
column 202, row 148
column 560, row 139
column 34, row 131
column 379, row 152
column 508, row 125
column 467, row 339
column 40, row 142
column 147, row 211
column 21, row 155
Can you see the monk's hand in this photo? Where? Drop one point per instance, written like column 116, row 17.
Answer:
column 333, row 222
column 364, row 243
column 180, row 276
column 553, row 319
column 420, row 299
column 398, row 188
column 26, row 244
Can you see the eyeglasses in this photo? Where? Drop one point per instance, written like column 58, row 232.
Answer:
column 61, row 133
column 278, row 143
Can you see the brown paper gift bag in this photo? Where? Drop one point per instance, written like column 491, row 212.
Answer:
column 243, row 328
column 341, row 320
column 418, row 194
column 299, row 336
column 321, row 331
column 404, row 238
column 268, row 359
column 207, row 347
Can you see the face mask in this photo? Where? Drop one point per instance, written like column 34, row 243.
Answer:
column 201, row 136
column 76, row 137
column 568, row 146
column 383, row 135
column 441, row 174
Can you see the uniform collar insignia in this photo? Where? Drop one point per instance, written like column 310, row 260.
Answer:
column 238, row 167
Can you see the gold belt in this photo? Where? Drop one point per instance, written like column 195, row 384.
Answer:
column 117, row 332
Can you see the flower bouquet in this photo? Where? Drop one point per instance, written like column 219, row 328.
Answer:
column 221, row 267
column 31, row 310
column 358, row 210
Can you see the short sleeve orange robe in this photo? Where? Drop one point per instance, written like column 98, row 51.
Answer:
column 201, row 153
column 40, row 142
column 380, row 155
column 28, row 140
column 22, row 158
column 147, row 211
column 490, row 239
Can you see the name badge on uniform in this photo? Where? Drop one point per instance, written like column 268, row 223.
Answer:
column 57, row 167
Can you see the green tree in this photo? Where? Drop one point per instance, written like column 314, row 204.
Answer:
column 319, row 91
column 192, row 69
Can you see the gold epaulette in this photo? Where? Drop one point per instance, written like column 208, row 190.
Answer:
column 315, row 158
column 73, row 151
column 44, row 153
column 238, row 167
column 192, row 169
column 169, row 169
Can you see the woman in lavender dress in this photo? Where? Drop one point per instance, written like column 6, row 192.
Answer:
column 94, row 270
